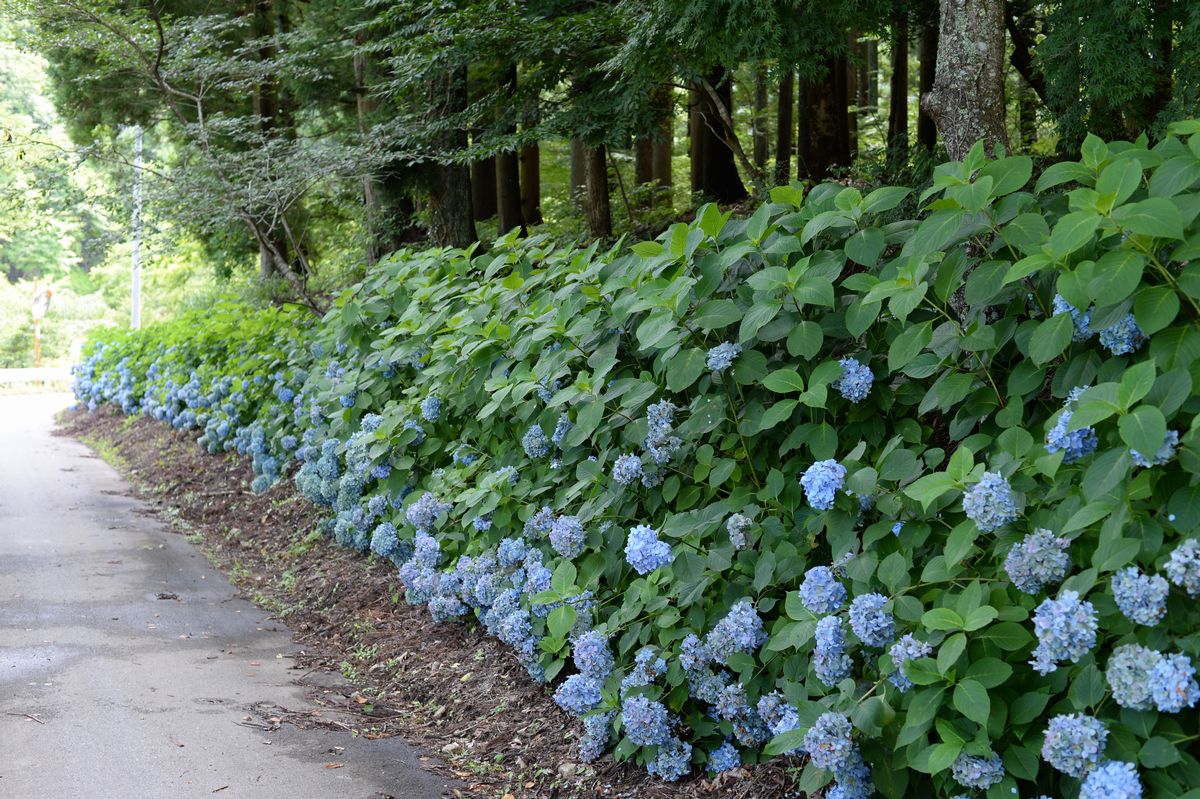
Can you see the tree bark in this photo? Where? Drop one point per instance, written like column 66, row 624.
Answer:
column 1021, row 20
column 719, row 175
column 531, row 184
column 663, row 147
column 483, row 188
column 1164, row 84
column 508, row 166
column 761, row 140
column 599, row 213
column 897, row 136
column 872, row 74
column 785, row 127
column 265, row 104
column 828, row 143
column 853, row 90
column 451, row 216
column 967, row 101
column 696, row 140
column 927, row 54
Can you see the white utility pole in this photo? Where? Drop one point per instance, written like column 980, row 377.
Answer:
column 135, row 306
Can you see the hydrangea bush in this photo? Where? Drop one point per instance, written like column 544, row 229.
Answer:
column 915, row 499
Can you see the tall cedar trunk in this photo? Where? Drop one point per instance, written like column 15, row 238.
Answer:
column 531, row 184
column 643, row 169
column 761, row 134
column 578, row 179
column 897, row 135
column 719, row 177
column 784, row 127
column 599, row 214
column 1164, row 85
column 1022, row 29
column 265, row 103
column 483, row 188
column 508, row 166
column 451, row 217
column 873, row 75
column 853, row 55
column 804, row 129
column 967, row 101
column 661, row 149
column 364, row 106
column 696, row 140
column 828, row 144
column 927, row 54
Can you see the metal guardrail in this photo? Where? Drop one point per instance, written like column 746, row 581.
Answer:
column 48, row 374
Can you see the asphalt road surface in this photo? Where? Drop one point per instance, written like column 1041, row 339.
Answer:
column 129, row 667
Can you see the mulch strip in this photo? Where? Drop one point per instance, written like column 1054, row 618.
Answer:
column 449, row 689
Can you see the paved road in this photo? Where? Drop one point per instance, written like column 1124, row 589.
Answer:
column 140, row 697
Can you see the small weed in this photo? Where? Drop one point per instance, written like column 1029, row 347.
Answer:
column 287, row 581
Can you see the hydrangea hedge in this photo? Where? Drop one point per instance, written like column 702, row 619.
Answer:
column 915, row 498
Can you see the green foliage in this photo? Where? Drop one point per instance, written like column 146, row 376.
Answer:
column 952, row 313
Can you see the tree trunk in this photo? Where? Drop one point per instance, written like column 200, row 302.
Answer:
column 643, row 170
column 1164, row 85
column 696, row 140
column 483, row 188
column 1021, row 19
column 719, row 177
column 873, row 75
column 785, row 127
column 599, row 214
column 265, row 104
column 828, row 142
column 531, row 184
column 508, row 166
column 853, row 91
column 804, row 129
column 761, row 134
column 897, row 136
column 926, row 129
column 967, row 101
column 662, row 148
column 364, row 106
column 451, row 217
column 578, row 179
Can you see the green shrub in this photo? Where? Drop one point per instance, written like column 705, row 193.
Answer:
column 972, row 373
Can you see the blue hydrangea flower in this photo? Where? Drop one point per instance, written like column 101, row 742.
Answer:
column 906, row 649
column 423, row 513
column 1128, row 675
column 737, row 526
column 535, row 443
column 1124, row 337
column 597, row 729
column 567, row 536
column 431, row 409
column 673, row 761
column 645, row 721
column 561, row 428
column 853, row 780
column 511, row 551
column 778, row 714
column 830, row 661
column 384, row 540
column 464, row 456
column 855, row 381
column 828, row 742
column 1164, row 454
column 1076, row 444
column 578, row 694
column 1173, row 683
column 721, row 357
column 507, row 474
column 647, row 667
column 411, row 424
column 1183, row 569
column 896, row 528
column 1080, row 320
column 1113, row 779
column 872, row 624
column 380, row 471
column 974, row 771
column 1038, row 560
column 733, row 706
column 644, row 552
column 990, row 502
column 348, row 399
column 660, row 445
column 741, row 630
column 1074, row 743
column 1065, row 629
column 1141, row 597
column 724, row 758
column 821, row 482
column 627, row 469
column 821, row 593
column 592, row 655
column 482, row 523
